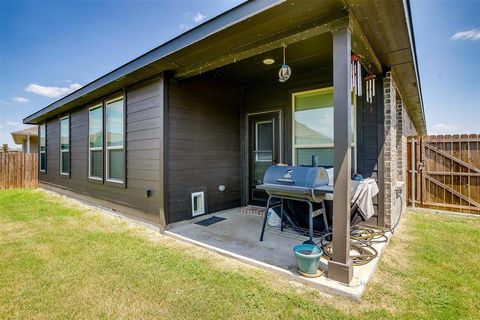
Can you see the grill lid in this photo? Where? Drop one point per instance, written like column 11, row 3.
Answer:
column 295, row 182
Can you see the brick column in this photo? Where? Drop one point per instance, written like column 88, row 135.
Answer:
column 390, row 147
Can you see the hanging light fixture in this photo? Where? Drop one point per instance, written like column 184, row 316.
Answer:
column 285, row 72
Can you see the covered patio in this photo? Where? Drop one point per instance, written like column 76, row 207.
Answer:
column 319, row 54
column 236, row 78
column 237, row 236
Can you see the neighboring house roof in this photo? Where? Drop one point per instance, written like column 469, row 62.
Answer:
column 21, row 135
column 230, row 35
column 307, row 135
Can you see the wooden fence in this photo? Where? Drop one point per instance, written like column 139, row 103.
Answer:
column 18, row 170
column 444, row 172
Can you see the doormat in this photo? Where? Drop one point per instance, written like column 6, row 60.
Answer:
column 259, row 211
column 209, row 221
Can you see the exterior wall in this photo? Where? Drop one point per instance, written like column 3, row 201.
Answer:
column 203, row 145
column 398, row 126
column 33, row 145
column 144, row 125
column 370, row 142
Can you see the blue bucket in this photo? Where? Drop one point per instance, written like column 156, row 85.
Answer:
column 308, row 257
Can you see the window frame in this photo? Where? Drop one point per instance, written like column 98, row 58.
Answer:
column 96, row 178
column 105, row 141
column 60, row 146
column 40, row 147
column 257, row 159
column 324, row 145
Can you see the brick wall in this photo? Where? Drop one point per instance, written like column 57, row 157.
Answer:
column 398, row 126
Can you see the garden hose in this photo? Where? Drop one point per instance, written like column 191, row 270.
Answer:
column 362, row 237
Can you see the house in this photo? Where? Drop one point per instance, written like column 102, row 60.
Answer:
column 189, row 127
column 28, row 138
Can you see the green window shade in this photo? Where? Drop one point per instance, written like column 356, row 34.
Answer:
column 115, row 165
column 314, row 118
column 314, row 100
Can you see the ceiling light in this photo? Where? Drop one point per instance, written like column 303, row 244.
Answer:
column 268, row 61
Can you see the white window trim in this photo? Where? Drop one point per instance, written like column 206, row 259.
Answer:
column 256, row 140
column 202, row 209
column 99, row 105
column 40, row 147
column 60, row 146
column 324, row 145
column 107, row 148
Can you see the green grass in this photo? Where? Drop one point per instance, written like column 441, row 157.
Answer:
column 59, row 260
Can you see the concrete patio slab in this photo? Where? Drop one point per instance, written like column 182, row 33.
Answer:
column 238, row 237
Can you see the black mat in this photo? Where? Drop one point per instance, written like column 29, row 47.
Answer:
column 209, row 221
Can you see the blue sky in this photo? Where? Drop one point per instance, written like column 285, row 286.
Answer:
column 48, row 49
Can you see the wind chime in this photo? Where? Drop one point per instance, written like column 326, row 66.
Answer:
column 285, row 72
column 370, row 87
column 356, row 80
column 356, row 75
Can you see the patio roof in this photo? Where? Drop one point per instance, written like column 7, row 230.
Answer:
column 382, row 32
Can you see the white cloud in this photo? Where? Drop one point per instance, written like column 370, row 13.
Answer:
column 183, row 26
column 68, row 81
column 13, row 124
column 198, row 17
column 52, row 92
column 20, row 99
column 473, row 35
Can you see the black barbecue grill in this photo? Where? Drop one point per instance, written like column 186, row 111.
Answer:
column 299, row 183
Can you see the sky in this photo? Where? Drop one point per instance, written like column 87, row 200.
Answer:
column 51, row 48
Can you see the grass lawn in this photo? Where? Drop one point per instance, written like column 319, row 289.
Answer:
column 60, row 260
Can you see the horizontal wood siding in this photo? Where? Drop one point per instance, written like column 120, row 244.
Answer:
column 204, row 144
column 143, row 134
column 370, row 140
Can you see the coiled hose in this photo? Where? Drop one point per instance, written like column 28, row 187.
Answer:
column 362, row 238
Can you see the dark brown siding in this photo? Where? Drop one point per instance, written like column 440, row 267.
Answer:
column 143, row 134
column 204, row 145
column 370, row 139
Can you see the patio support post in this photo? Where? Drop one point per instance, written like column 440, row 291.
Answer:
column 340, row 267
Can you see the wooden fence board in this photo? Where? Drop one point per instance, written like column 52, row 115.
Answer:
column 18, row 170
column 446, row 172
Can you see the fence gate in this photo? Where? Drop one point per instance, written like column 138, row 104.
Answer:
column 444, row 172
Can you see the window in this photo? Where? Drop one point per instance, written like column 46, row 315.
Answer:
column 198, row 203
column 43, row 148
column 313, row 127
column 114, row 140
column 263, row 141
column 65, row 146
column 95, row 142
